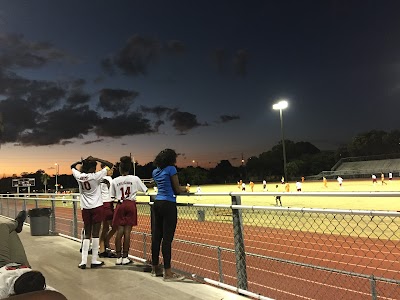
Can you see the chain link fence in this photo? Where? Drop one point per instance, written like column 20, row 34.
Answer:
column 264, row 251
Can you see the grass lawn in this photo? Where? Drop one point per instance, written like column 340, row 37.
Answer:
column 363, row 203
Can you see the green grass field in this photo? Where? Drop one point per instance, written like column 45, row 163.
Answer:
column 363, row 203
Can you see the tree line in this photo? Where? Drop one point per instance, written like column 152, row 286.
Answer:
column 303, row 159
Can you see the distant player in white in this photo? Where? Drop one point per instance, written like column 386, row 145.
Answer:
column 124, row 189
column 243, row 187
column 91, row 205
column 265, row 185
column 390, row 176
column 340, row 180
column 198, row 191
column 298, row 186
column 373, row 178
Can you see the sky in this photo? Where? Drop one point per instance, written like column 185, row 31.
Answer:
column 113, row 78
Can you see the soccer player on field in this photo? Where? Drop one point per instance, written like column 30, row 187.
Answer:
column 383, row 179
column 373, row 178
column 325, row 181
column 390, row 176
column 124, row 189
column 265, row 185
column 298, row 186
column 91, row 205
column 251, row 186
column 340, row 180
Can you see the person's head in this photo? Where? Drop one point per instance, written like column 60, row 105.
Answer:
column 125, row 165
column 165, row 158
column 88, row 166
column 29, row 282
column 109, row 171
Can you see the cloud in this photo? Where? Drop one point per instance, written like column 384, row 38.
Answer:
column 116, row 100
column 175, row 46
column 137, row 54
column 219, row 58
column 130, row 124
column 240, row 62
column 58, row 125
column 183, row 121
column 18, row 115
column 78, row 98
column 93, row 142
column 41, row 94
column 228, row 118
column 16, row 52
column 158, row 110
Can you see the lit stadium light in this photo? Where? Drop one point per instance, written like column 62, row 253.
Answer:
column 281, row 105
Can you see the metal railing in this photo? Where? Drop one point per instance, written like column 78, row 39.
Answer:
column 263, row 251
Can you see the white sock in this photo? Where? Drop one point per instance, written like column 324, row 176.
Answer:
column 85, row 250
column 95, row 250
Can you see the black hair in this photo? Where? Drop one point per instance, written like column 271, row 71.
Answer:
column 165, row 158
column 125, row 164
column 88, row 166
column 29, row 282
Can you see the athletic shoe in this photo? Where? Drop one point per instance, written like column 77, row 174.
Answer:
column 126, row 261
column 157, row 272
column 103, row 254
column 21, row 217
column 173, row 277
column 119, row 261
column 96, row 265
column 82, row 266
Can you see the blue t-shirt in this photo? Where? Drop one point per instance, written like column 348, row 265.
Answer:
column 162, row 178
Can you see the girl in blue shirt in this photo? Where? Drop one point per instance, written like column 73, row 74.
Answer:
column 165, row 213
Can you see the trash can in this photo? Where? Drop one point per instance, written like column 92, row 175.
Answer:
column 40, row 220
column 201, row 215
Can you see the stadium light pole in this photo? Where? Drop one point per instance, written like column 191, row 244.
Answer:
column 57, row 169
column 281, row 105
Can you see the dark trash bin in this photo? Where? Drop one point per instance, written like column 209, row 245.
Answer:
column 40, row 221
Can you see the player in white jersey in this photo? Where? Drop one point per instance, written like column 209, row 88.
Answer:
column 107, row 230
column 124, row 189
column 91, row 205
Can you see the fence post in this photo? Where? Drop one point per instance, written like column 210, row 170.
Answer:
column 75, row 219
column 8, row 208
column 53, row 216
column 373, row 287
column 144, row 246
column 221, row 274
column 15, row 209
column 240, row 253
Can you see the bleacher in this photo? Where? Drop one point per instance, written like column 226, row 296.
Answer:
column 362, row 167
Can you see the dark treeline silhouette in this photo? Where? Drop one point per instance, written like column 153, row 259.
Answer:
column 303, row 159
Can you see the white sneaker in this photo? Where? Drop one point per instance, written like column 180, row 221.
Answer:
column 126, row 261
column 119, row 261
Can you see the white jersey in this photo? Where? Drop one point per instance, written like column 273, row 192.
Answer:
column 89, row 188
column 298, row 185
column 126, row 187
column 105, row 189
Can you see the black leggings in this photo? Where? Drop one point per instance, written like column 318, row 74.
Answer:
column 164, row 220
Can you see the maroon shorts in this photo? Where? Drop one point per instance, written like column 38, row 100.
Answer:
column 125, row 214
column 108, row 212
column 92, row 215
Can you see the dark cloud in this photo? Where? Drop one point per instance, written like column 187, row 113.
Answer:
column 93, row 142
column 64, row 143
column 240, row 62
column 78, row 98
column 157, row 125
column 175, row 46
column 183, row 121
column 116, row 100
column 138, row 53
column 16, row 52
column 58, row 125
column 121, row 125
column 159, row 110
column 18, row 116
column 219, row 58
column 228, row 118
column 40, row 93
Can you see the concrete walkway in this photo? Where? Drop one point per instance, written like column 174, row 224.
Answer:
column 58, row 258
